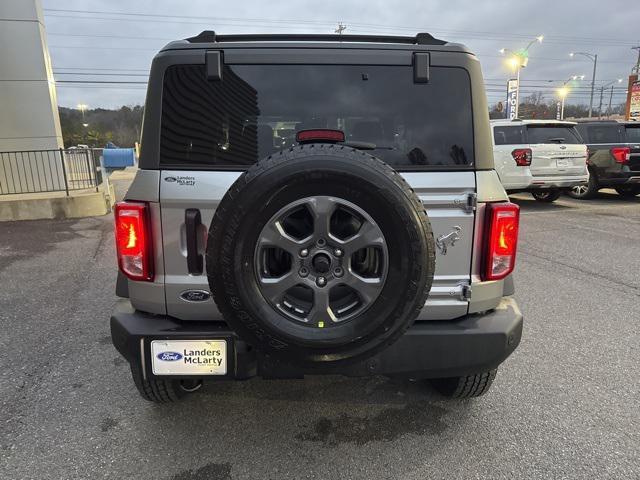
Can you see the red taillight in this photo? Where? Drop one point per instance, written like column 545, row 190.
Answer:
column 501, row 239
column 522, row 156
column 320, row 135
column 621, row 154
column 133, row 240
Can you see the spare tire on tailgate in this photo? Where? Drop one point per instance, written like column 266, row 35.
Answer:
column 321, row 254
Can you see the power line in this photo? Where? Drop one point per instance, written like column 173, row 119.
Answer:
column 100, row 81
column 323, row 23
column 104, row 68
column 168, row 39
column 93, row 35
column 102, row 74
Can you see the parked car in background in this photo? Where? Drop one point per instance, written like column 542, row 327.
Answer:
column 614, row 157
column 544, row 157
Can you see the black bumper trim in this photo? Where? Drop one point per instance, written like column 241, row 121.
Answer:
column 429, row 349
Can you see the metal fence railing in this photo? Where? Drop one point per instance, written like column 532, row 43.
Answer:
column 60, row 170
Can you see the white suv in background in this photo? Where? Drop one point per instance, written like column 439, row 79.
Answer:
column 543, row 157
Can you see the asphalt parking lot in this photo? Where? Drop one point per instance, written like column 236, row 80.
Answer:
column 565, row 405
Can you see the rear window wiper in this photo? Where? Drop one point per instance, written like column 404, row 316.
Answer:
column 368, row 145
column 557, row 140
column 361, row 145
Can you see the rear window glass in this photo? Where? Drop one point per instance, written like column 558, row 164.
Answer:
column 633, row 134
column 552, row 134
column 256, row 110
column 509, row 135
column 600, row 133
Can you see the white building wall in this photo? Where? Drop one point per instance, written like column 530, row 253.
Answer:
column 28, row 107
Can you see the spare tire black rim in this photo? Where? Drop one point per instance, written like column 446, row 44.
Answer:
column 321, row 260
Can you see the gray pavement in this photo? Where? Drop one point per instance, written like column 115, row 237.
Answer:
column 565, row 405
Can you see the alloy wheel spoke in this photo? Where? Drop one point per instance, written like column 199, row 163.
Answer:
column 275, row 288
column 367, row 288
column 274, row 236
column 321, row 311
column 369, row 235
column 321, row 208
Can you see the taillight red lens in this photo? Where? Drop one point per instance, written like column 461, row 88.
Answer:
column 133, row 240
column 621, row 154
column 320, row 135
column 501, row 239
column 522, row 156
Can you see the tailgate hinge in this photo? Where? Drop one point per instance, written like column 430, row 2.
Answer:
column 472, row 202
column 465, row 292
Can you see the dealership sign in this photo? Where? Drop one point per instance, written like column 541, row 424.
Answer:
column 512, row 98
column 634, row 102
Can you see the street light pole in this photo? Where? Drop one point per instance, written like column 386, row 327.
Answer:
column 594, row 58
column 563, row 92
column 593, row 84
column 520, row 60
column 517, row 90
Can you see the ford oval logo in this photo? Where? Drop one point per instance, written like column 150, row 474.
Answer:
column 169, row 356
column 195, row 296
column 170, row 179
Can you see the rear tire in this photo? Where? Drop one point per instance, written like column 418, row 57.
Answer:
column 546, row 196
column 467, row 386
column 163, row 391
column 585, row 192
column 628, row 191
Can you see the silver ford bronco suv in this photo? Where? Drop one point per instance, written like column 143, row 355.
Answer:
column 315, row 204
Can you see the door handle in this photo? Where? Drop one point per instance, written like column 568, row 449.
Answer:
column 192, row 221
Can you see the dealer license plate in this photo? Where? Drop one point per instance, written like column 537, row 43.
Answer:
column 563, row 162
column 189, row 357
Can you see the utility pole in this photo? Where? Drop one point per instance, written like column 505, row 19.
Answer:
column 636, row 69
column 602, row 87
column 341, row 28
column 600, row 105
column 610, row 98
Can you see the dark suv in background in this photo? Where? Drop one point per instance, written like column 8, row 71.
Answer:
column 613, row 159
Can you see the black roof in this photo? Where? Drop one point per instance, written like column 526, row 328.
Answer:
column 209, row 36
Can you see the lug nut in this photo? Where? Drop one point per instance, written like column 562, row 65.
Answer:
column 321, row 242
column 304, row 252
column 338, row 272
column 321, row 281
column 303, row 272
column 337, row 252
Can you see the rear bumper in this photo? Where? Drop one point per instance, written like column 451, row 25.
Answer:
column 430, row 349
column 629, row 178
column 529, row 184
column 538, row 183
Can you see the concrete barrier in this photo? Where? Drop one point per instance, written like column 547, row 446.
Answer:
column 40, row 206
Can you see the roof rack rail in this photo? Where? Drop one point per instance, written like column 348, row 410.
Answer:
column 209, row 36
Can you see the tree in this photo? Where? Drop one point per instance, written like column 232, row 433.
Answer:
column 122, row 126
column 536, row 106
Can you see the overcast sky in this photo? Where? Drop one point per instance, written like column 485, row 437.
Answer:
column 83, row 45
